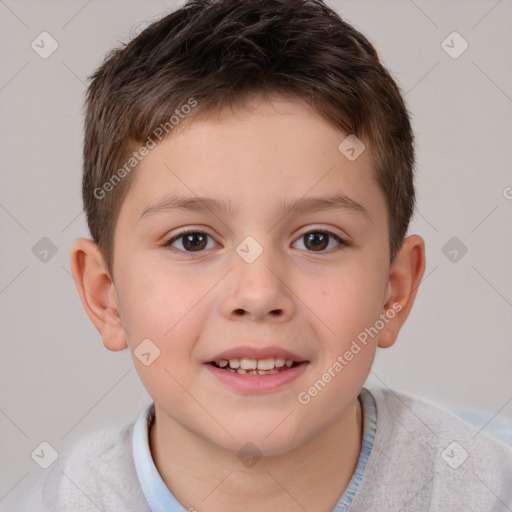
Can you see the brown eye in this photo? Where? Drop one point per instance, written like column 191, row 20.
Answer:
column 318, row 241
column 191, row 241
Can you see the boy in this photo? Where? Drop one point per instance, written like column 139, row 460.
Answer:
column 248, row 184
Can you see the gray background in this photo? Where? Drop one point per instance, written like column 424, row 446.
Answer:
column 58, row 382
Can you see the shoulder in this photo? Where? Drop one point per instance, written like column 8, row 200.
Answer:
column 424, row 456
column 97, row 472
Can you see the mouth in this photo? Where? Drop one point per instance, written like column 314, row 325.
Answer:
column 250, row 366
column 253, row 370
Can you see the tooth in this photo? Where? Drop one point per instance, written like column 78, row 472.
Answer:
column 278, row 362
column 262, row 372
column 248, row 364
column 288, row 363
column 273, row 371
column 241, row 371
column 234, row 363
column 223, row 363
column 266, row 364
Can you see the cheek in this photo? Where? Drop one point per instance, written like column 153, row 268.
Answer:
column 163, row 308
column 348, row 301
column 166, row 310
column 157, row 302
column 348, row 305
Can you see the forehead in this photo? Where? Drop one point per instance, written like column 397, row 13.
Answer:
column 267, row 149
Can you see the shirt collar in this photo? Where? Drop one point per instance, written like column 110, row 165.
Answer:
column 158, row 496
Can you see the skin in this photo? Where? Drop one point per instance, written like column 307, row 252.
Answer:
column 193, row 305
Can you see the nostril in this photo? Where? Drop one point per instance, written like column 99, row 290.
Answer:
column 274, row 312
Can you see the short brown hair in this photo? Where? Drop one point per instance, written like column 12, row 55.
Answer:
column 213, row 53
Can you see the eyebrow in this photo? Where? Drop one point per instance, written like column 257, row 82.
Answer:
column 302, row 205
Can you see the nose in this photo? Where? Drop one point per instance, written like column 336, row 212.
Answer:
column 260, row 290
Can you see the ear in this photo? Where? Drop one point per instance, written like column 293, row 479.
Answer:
column 97, row 292
column 404, row 278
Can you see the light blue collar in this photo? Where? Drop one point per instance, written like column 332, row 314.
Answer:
column 369, row 427
column 158, row 496
column 160, row 499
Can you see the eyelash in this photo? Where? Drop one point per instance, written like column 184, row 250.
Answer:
column 168, row 243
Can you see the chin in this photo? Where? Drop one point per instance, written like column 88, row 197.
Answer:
column 264, row 442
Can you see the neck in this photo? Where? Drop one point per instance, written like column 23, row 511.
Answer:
column 208, row 478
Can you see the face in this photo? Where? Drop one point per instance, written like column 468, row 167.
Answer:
column 265, row 269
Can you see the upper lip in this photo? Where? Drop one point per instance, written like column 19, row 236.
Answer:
column 257, row 353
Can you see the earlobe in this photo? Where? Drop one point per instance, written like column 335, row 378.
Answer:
column 404, row 279
column 97, row 292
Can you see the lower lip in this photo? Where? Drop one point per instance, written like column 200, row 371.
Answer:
column 254, row 384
